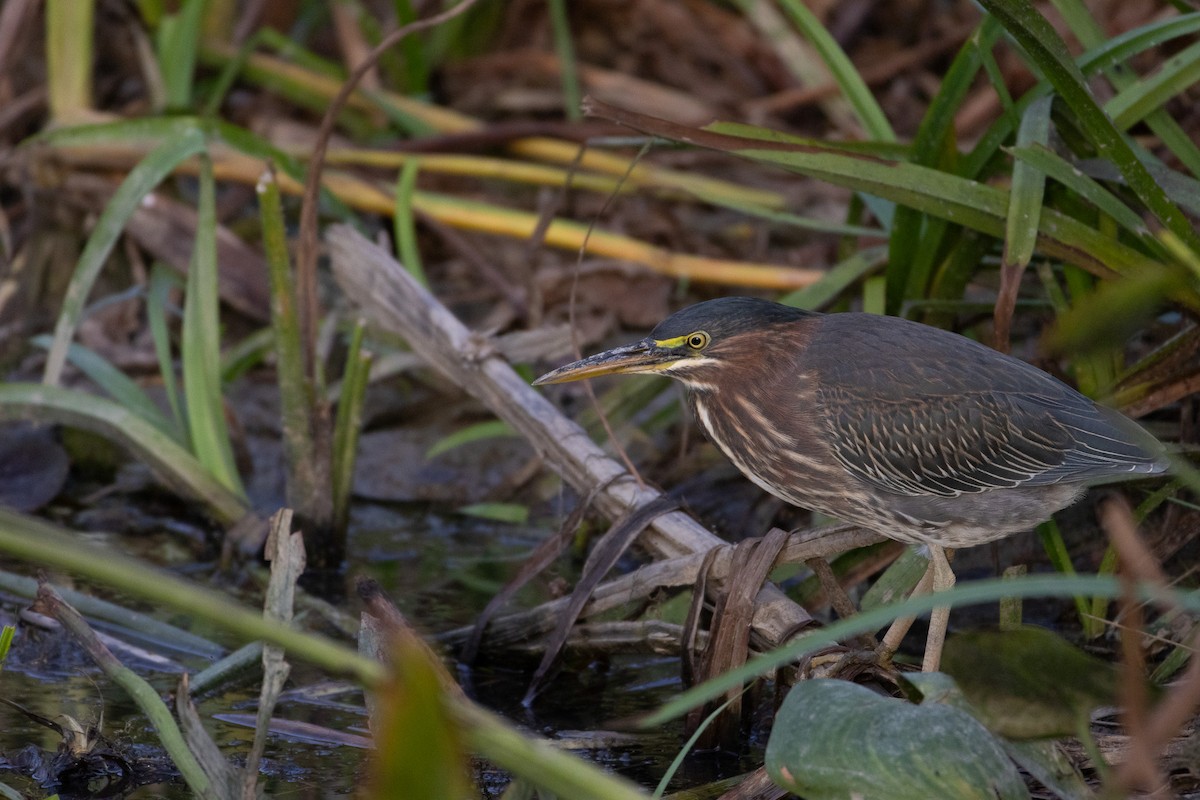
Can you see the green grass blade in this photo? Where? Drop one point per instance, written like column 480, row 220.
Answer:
column 69, row 53
column 40, row 542
column 874, row 295
column 6, row 638
column 1114, row 51
column 177, row 43
column 510, row 513
column 1096, row 620
column 969, row 203
column 201, row 350
column 348, row 425
column 839, row 278
column 116, row 385
column 1054, row 166
column 177, row 468
column 163, row 129
column 689, row 745
column 894, row 150
column 142, row 693
column 1140, row 99
column 1060, row 559
column 480, row 431
column 797, row 221
column 252, row 144
column 295, row 393
column 415, row 61
column 162, row 281
column 1170, row 132
column 405, row 224
column 568, row 69
column 229, row 74
column 964, row 253
column 914, row 244
column 1080, row 21
column 1049, row 55
column 853, row 87
column 1130, row 43
column 246, row 353
column 1028, row 188
column 141, row 180
column 296, row 53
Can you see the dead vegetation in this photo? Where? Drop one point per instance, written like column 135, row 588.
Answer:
column 531, row 234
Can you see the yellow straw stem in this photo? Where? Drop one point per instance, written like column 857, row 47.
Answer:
column 295, row 80
column 569, row 235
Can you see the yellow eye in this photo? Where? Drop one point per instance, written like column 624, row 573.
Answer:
column 698, row 340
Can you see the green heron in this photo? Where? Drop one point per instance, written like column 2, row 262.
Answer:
column 916, row 433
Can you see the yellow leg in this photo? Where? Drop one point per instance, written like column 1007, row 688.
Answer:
column 938, row 577
column 896, row 633
column 939, row 619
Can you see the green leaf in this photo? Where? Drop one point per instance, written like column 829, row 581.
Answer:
column 170, row 462
column 973, row 593
column 1046, row 761
column 915, row 242
column 795, row 220
column 1028, row 187
column 837, row 279
column 834, row 740
column 178, row 39
column 404, row 222
column 1106, row 317
column 898, row 580
column 1041, row 758
column 1139, row 100
column 969, row 203
column 1091, row 34
column 201, row 348
column 70, row 33
column 6, row 638
column 480, row 431
column 513, row 513
column 414, row 60
column 149, row 172
column 162, row 281
column 1028, row 683
column 116, row 384
column 348, row 424
column 1054, row 166
column 1049, row 54
column 568, row 69
column 296, row 405
column 1101, row 57
column 419, row 746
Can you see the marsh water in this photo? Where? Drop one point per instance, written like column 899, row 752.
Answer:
column 440, row 568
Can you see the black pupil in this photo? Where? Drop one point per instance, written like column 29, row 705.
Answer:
column 697, row 340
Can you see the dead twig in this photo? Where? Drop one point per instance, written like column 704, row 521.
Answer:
column 602, row 558
column 662, row 576
column 1150, row 730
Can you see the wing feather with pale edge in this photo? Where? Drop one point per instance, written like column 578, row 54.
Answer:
column 976, row 420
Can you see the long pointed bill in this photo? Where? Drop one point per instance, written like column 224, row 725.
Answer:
column 641, row 356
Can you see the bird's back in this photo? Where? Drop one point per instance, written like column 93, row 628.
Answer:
column 915, row 410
